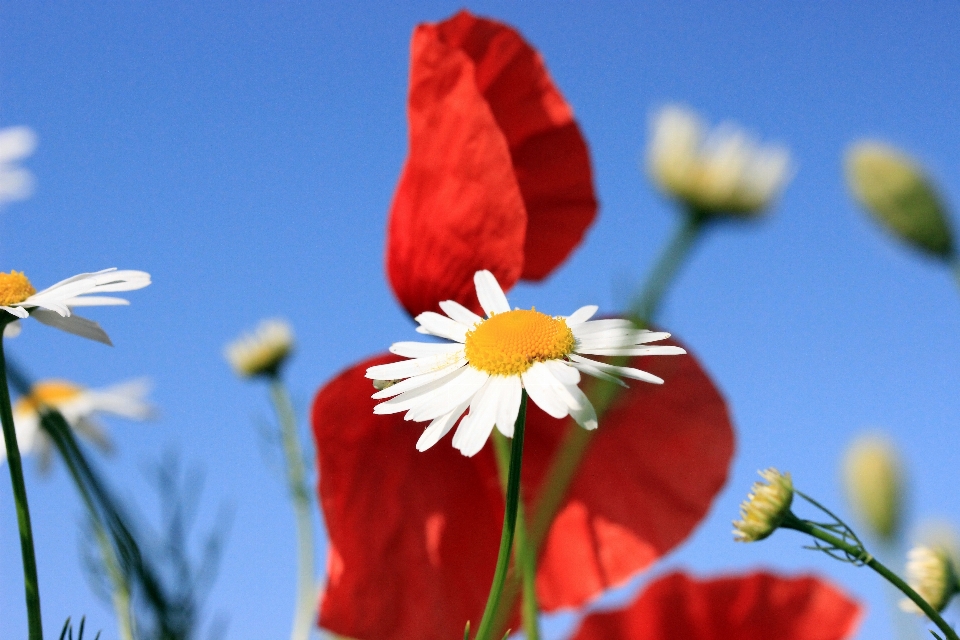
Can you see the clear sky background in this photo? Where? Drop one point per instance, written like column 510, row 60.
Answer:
column 245, row 154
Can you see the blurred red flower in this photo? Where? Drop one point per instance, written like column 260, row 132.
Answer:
column 497, row 176
column 758, row 606
column 414, row 536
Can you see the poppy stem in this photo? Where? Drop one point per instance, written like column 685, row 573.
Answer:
column 30, row 583
column 303, row 618
column 863, row 557
column 484, row 631
column 646, row 305
column 523, row 557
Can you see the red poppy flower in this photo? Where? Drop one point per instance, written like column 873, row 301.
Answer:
column 414, row 536
column 758, row 606
column 497, row 177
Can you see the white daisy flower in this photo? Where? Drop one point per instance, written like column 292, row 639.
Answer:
column 723, row 172
column 931, row 574
column 16, row 143
column 80, row 407
column 491, row 360
column 53, row 306
column 262, row 352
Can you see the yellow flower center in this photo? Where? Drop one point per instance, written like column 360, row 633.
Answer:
column 14, row 287
column 50, row 393
column 509, row 343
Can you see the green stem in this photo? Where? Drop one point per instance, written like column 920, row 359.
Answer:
column 30, row 583
column 523, row 557
column 303, row 618
column 646, row 305
column 795, row 523
column 509, row 524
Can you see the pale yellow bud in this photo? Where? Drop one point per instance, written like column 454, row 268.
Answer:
column 262, row 352
column 765, row 507
column 930, row 572
column 873, row 478
column 723, row 172
column 895, row 190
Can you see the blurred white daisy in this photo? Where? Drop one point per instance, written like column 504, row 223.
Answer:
column 722, row 172
column 80, row 407
column 931, row 574
column 491, row 360
column 53, row 306
column 16, row 143
column 262, row 352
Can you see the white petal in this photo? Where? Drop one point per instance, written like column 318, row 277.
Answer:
column 418, row 381
column 581, row 315
column 545, row 390
column 127, row 399
column 472, row 435
column 626, row 372
column 440, row 427
column 510, row 393
column 20, row 312
column 593, row 326
column 409, row 368
column 587, row 367
column 586, row 415
column 460, row 389
column 73, row 324
column 490, row 294
column 563, row 372
column 417, row 396
column 95, row 301
column 460, row 313
column 13, row 329
column 423, row 349
column 442, row 326
column 635, row 351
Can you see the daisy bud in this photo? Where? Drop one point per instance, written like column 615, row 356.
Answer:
column 262, row 352
column 932, row 575
column 873, row 478
column 765, row 507
column 722, row 173
column 897, row 193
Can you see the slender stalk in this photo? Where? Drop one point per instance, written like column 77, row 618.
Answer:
column 646, row 305
column 795, row 523
column 30, row 583
column 523, row 557
column 955, row 268
column 484, row 631
column 303, row 617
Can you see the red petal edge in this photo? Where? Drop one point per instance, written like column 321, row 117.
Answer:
column 414, row 536
column 756, row 606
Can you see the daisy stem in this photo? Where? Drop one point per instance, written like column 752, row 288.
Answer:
column 858, row 552
column 30, row 582
column 524, row 559
column 646, row 305
column 484, row 631
column 300, row 495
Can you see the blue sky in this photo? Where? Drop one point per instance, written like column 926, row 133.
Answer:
column 245, row 154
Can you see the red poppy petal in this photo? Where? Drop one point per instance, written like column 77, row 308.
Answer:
column 548, row 151
column 414, row 536
column 758, row 606
column 659, row 457
column 458, row 207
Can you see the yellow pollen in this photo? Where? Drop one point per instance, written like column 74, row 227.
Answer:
column 50, row 393
column 509, row 343
column 14, row 287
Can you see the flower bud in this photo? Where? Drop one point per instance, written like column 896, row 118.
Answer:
column 873, row 478
column 897, row 193
column 721, row 173
column 262, row 352
column 765, row 507
column 930, row 572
